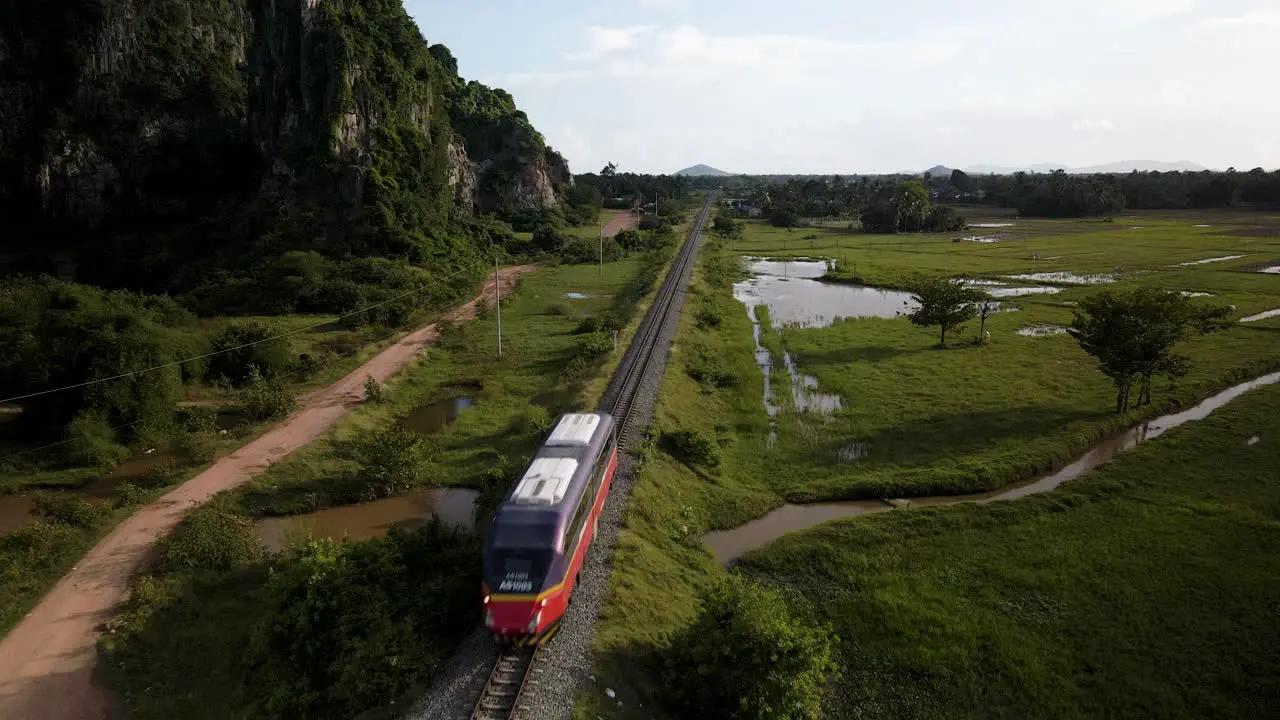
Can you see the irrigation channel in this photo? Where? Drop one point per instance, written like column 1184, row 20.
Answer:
column 514, row 676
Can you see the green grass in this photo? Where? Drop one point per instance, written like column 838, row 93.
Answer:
column 538, row 343
column 969, row 418
column 952, row 421
column 1147, row 588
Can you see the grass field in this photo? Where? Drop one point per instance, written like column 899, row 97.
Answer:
column 959, row 420
column 1146, row 589
column 185, row 632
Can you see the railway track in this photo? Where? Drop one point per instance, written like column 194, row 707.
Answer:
column 514, row 672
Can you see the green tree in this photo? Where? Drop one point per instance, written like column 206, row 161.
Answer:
column 962, row 182
column 393, row 460
column 726, row 228
column 748, row 656
column 945, row 303
column 985, row 306
column 246, row 344
column 1132, row 334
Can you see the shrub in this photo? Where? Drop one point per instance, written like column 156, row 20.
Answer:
column 127, row 494
column 346, row 628
column 747, row 656
column 70, row 510
column 559, row 310
column 269, row 354
column 693, row 447
column 159, row 475
column 708, row 316
column 392, row 461
column 372, row 390
column 198, row 447
column 707, row 367
column 198, row 418
column 211, row 537
column 93, row 442
column 266, row 399
column 537, row 419
column 595, row 344
column 942, row 218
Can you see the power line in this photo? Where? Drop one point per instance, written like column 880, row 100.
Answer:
column 242, row 346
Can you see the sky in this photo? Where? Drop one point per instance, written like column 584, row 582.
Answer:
column 847, row 86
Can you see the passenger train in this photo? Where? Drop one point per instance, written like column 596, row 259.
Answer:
column 537, row 541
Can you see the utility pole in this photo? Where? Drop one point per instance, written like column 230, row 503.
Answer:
column 497, row 302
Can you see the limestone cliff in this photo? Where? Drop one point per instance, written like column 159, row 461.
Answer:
column 166, row 129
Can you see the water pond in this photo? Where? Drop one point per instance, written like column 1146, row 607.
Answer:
column 455, row 506
column 795, row 297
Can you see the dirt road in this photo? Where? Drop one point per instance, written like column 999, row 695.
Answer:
column 622, row 220
column 47, row 661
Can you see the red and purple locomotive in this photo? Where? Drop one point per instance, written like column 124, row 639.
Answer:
column 538, row 539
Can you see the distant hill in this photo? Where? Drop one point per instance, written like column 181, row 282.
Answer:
column 703, row 170
column 1124, row 166
column 939, row 171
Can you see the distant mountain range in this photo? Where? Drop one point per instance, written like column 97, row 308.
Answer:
column 1124, row 166
column 703, row 170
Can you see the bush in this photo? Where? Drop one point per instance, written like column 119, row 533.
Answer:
column 197, row 418
column 93, row 442
column 707, row 367
column 693, row 447
column 347, row 628
column 198, row 447
column 392, row 460
column 537, row 419
column 159, row 475
column 70, row 510
column 127, row 494
column 267, row 399
column 746, row 656
column 271, row 357
column 372, row 390
column 943, row 218
column 708, row 316
column 595, row 344
column 212, row 537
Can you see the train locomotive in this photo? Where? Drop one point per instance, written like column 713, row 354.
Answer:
column 537, row 541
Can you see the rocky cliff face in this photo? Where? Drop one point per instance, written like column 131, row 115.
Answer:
column 327, row 120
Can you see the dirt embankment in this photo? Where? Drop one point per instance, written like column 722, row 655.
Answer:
column 621, row 220
column 47, row 661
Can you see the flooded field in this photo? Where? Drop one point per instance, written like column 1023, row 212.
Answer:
column 1007, row 292
column 795, row 297
column 455, row 506
column 1042, row 330
column 1206, row 261
column 1066, row 278
column 991, row 225
column 1261, row 316
column 730, row 544
column 1273, row 270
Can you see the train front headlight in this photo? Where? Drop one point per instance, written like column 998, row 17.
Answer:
column 537, row 619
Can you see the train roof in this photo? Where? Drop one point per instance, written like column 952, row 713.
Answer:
column 554, row 482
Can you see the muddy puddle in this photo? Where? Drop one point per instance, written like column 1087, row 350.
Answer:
column 1261, row 316
column 795, row 297
column 728, row 545
column 1066, row 278
column 454, row 506
column 432, row 417
column 145, row 470
column 1042, row 330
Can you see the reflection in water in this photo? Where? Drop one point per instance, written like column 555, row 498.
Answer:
column 990, row 225
column 14, row 511
column 1253, row 441
column 1020, row 291
column 1042, row 330
column 575, row 296
column 1273, row 270
column 455, row 506
column 794, row 297
column 1194, row 293
column 432, row 417
column 804, row 390
column 1066, row 278
column 731, row 544
column 1206, row 261
column 1261, row 316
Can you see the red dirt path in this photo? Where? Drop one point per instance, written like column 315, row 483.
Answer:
column 622, row 220
column 47, row 661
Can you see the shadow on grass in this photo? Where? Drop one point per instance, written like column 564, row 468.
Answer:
column 847, row 355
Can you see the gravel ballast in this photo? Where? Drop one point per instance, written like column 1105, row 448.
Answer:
column 564, row 665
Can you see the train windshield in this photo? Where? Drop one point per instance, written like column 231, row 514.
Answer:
column 520, row 556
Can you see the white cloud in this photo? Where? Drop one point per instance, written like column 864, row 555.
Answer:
column 603, row 41
column 1093, row 125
